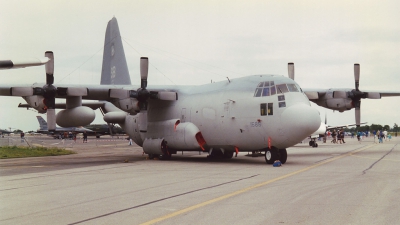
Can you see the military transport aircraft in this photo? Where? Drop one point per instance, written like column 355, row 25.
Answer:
column 267, row 113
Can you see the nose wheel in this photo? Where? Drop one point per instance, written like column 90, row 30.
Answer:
column 272, row 154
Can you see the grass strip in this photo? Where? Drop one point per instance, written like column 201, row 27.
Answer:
column 8, row 152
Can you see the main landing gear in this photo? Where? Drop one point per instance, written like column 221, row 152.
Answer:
column 313, row 143
column 220, row 154
column 272, row 154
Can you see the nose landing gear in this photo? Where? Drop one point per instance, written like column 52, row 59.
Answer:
column 272, row 154
column 313, row 143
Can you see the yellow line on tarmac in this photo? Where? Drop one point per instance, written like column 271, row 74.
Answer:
column 156, row 220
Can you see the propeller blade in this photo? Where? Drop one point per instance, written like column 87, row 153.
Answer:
column 373, row 95
column 339, row 94
column 291, row 70
column 51, row 119
column 144, row 70
column 326, row 120
column 49, row 67
column 357, row 107
column 357, row 75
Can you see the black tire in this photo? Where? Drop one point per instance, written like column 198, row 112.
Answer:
column 271, row 155
column 151, row 156
column 164, row 157
column 315, row 145
column 227, row 155
column 216, row 154
column 283, row 155
column 310, row 143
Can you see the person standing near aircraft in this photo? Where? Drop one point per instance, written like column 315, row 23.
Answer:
column 382, row 136
column 359, row 136
column 84, row 137
column 334, row 134
column 339, row 137
column 130, row 141
column 22, row 136
column 342, row 136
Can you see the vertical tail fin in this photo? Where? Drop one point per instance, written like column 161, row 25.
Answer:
column 42, row 123
column 115, row 69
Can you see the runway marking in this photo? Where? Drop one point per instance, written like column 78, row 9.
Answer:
column 364, row 157
column 163, row 199
column 251, row 187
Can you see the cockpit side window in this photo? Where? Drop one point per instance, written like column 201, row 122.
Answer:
column 292, row 88
column 282, row 88
column 258, row 92
column 273, row 90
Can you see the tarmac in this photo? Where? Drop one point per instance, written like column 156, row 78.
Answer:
column 110, row 182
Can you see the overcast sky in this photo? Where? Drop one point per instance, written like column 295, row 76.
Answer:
column 194, row 42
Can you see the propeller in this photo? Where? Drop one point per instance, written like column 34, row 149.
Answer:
column 356, row 95
column 143, row 95
column 49, row 92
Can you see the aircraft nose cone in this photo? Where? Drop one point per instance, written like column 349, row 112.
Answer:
column 300, row 121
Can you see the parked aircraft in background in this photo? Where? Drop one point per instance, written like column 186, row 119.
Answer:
column 265, row 113
column 43, row 128
column 104, row 129
column 2, row 132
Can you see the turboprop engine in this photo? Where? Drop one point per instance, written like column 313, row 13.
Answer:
column 36, row 102
column 177, row 135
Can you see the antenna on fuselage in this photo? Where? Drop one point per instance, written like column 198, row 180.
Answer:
column 228, row 79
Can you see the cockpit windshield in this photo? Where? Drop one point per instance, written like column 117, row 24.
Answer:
column 269, row 88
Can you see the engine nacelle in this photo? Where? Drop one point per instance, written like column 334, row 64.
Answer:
column 115, row 117
column 185, row 136
column 153, row 146
column 340, row 104
column 78, row 116
column 36, row 102
column 130, row 105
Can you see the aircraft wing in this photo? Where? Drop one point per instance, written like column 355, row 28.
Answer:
column 343, row 126
column 322, row 94
column 342, row 99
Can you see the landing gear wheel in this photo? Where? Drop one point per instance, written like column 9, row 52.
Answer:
column 151, row 156
column 164, row 157
column 311, row 143
column 283, row 155
column 227, row 155
column 216, row 154
column 315, row 145
column 271, row 155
